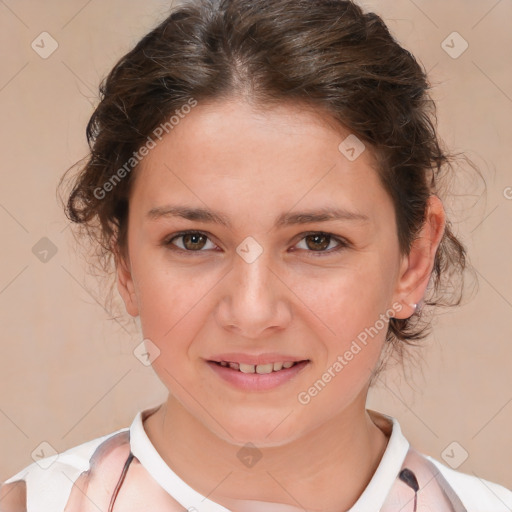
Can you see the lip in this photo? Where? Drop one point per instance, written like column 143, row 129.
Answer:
column 256, row 381
column 267, row 358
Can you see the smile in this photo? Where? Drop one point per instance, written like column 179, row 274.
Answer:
column 259, row 377
column 258, row 368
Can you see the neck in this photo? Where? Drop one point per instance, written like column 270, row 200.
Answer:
column 303, row 474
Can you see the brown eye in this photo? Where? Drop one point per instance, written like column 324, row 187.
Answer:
column 321, row 243
column 194, row 241
column 318, row 242
column 191, row 242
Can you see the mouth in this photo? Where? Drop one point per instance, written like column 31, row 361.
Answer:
column 260, row 369
column 272, row 371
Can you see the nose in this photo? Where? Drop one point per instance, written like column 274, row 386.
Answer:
column 254, row 299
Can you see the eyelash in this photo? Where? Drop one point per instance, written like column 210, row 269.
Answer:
column 343, row 244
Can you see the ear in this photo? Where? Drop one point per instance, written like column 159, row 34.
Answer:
column 125, row 283
column 416, row 267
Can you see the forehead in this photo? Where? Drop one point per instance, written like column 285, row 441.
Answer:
column 230, row 153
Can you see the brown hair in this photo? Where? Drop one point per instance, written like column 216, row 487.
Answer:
column 327, row 54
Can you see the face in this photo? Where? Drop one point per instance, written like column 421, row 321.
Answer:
column 260, row 278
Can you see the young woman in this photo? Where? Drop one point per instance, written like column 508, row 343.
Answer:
column 265, row 177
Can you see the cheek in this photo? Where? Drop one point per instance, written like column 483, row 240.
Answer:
column 166, row 291
column 351, row 311
column 163, row 300
column 174, row 304
column 345, row 300
column 352, row 342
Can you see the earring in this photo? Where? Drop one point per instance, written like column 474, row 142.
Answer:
column 415, row 306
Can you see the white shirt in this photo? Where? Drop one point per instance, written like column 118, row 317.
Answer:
column 88, row 474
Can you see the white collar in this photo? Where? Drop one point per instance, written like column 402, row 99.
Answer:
column 372, row 498
column 378, row 488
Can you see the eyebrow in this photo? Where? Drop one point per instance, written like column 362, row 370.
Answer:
column 285, row 219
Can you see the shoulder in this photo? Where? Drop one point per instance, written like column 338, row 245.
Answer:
column 469, row 492
column 47, row 484
column 13, row 497
column 477, row 494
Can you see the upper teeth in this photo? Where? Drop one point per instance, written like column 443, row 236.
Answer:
column 258, row 368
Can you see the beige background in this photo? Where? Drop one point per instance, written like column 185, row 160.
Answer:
column 68, row 372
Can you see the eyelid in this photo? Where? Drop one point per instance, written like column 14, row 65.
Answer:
column 343, row 243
